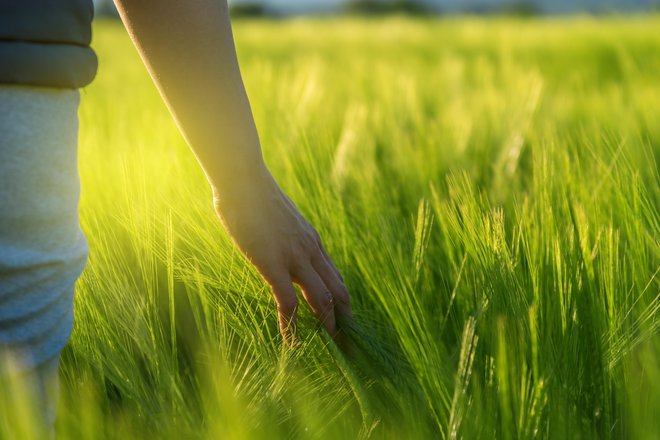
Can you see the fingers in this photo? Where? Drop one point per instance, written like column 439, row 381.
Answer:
column 329, row 261
column 331, row 277
column 287, row 306
column 318, row 296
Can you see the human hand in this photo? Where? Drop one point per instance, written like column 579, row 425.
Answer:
column 285, row 248
column 190, row 53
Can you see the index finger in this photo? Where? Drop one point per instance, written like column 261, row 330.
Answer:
column 287, row 305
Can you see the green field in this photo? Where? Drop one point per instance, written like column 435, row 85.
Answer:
column 488, row 188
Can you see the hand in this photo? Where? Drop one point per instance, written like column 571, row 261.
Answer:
column 285, row 248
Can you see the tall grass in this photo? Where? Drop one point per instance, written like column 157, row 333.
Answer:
column 488, row 188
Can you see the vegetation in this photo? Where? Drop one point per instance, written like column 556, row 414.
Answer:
column 379, row 7
column 488, row 188
column 251, row 9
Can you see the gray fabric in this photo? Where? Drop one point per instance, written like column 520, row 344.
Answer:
column 42, row 249
column 46, row 43
column 48, row 65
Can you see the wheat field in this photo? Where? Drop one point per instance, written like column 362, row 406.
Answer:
column 487, row 187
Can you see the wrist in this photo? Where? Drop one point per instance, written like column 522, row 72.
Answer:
column 241, row 183
column 230, row 172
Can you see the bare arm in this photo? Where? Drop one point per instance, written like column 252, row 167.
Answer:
column 189, row 50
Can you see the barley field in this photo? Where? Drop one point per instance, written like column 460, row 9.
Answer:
column 487, row 187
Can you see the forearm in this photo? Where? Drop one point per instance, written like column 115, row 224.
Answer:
column 189, row 50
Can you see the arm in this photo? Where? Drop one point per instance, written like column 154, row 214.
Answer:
column 189, row 51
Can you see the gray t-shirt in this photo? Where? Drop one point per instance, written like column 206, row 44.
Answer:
column 46, row 43
column 42, row 248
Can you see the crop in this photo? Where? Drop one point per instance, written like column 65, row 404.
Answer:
column 488, row 188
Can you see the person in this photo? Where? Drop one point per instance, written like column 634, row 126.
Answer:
column 188, row 48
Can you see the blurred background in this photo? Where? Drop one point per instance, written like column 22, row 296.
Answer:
column 486, row 184
column 520, row 7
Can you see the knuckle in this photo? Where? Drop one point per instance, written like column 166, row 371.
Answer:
column 325, row 301
column 343, row 297
column 287, row 305
column 310, row 240
column 298, row 245
column 311, row 246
